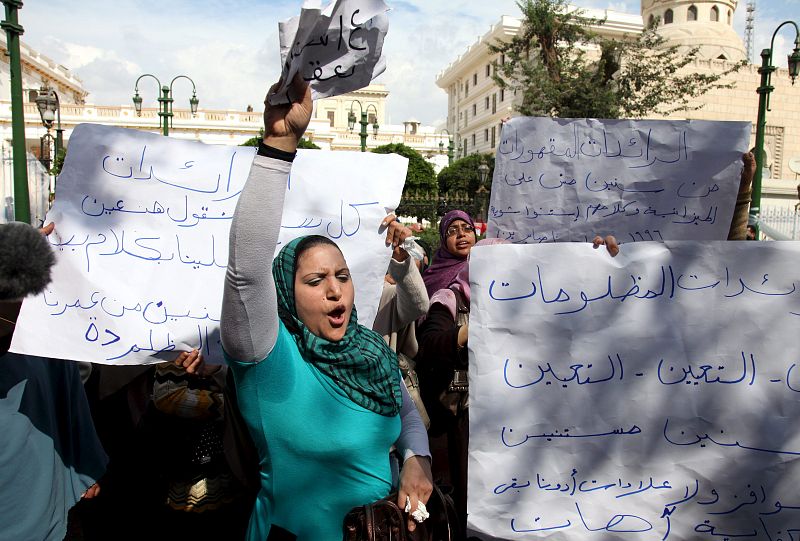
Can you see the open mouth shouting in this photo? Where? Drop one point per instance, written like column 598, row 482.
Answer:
column 336, row 317
column 463, row 244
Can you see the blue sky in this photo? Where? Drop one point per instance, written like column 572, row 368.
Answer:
column 230, row 48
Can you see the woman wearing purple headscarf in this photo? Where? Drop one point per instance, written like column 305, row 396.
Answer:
column 457, row 237
column 442, row 358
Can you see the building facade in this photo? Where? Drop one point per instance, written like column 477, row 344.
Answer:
column 476, row 105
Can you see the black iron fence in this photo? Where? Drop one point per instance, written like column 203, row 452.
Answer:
column 431, row 205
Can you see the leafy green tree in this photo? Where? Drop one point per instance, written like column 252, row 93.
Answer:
column 431, row 236
column 554, row 63
column 462, row 174
column 253, row 141
column 305, row 143
column 420, row 176
column 58, row 162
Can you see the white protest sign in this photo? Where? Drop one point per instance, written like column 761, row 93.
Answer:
column 652, row 396
column 337, row 50
column 558, row 179
column 142, row 241
column 345, row 196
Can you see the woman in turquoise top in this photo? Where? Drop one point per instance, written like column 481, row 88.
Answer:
column 321, row 394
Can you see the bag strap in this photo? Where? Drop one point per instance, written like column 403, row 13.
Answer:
column 448, row 520
column 461, row 304
column 369, row 520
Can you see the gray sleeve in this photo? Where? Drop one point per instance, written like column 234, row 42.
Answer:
column 412, row 297
column 249, row 320
column 413, row 440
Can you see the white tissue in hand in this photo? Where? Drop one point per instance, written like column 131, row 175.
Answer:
column 420, row 514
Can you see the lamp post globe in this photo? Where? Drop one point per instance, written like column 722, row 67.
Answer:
column 483, row 172
column 47, row 104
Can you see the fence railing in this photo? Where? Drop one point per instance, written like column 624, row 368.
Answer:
column 780, row 223
column 38, row 187
column 430, row 204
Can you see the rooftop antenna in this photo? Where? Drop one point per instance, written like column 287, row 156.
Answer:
column 749, row 29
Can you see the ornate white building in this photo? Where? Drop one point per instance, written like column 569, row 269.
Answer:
column 704, row 24
column 476, row 104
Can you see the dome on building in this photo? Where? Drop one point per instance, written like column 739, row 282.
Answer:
column 707, row 24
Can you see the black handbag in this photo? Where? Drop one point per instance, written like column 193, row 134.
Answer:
column 383, row 520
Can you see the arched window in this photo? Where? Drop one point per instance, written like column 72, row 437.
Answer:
column 651, row 20
column 730, row 16
column 691, row 14
column 715, row 14
column 668, row 17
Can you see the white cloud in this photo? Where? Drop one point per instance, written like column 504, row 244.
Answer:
column 230, row 52
column 424, row 37
column 104, row 72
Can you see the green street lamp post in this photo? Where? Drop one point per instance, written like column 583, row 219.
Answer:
column 50, row 111
column 483, row 172
column 764, row 91
column 351, row 122
column 481, row 194
column 22, row 202
column 450, row 146
column 46, row 142
column 165, row 100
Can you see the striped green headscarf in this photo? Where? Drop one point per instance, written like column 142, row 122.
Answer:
column 361, row 363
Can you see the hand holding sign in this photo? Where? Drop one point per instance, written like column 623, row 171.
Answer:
column 336, row 50
column 285, row 123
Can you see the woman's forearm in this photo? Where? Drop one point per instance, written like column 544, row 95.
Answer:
column 413, row 440
column 412, row 297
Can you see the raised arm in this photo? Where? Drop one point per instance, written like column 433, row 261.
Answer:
column 249, row 321
column 738, row 228
column 412, row 297
column 406, row 300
